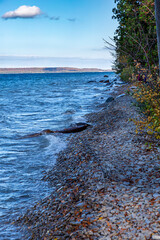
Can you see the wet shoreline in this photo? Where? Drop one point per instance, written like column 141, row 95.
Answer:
column 103, row 183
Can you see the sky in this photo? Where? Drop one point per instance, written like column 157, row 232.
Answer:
column 56, row 33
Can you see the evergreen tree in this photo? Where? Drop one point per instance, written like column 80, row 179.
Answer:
column 135, row 37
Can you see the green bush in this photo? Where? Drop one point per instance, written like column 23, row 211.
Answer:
column 126, row 74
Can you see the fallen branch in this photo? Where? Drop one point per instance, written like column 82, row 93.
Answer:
column 78, row 128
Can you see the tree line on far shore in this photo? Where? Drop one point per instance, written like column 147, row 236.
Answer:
column 136, row 46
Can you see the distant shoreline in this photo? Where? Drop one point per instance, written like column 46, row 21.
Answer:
column 51, row 70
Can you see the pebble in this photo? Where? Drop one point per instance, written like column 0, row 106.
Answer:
column 107, row 188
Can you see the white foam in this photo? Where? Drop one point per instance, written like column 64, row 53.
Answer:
column 79, row 119
column 56, row 144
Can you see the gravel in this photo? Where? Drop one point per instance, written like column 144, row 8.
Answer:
column 106, row 183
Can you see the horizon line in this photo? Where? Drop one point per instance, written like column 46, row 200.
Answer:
column 35, row 70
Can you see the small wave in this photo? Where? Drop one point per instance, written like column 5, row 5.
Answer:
column 67, row 112
column 79, row 119
column 56, row 144
column 31, row 103
column 5, row 120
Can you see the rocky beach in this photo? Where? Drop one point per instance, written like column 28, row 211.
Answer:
column 106, row 183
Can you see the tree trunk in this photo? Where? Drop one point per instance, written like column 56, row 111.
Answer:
column 157, row 15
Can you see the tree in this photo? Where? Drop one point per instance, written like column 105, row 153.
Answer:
column 135, row 37
column 157, row 14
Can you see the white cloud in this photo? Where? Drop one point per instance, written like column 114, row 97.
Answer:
column 23, row 12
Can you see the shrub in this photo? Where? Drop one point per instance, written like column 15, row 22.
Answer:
column 148, row 96
column 126, row 74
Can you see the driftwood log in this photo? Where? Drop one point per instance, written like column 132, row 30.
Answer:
column 77, row 128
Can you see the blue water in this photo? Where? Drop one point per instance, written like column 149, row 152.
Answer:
column 30, row 103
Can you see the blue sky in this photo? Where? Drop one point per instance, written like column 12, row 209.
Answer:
column 56, row 33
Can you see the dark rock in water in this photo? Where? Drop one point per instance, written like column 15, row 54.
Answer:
column 81, row 124
column 105, row 75
column 77, row 128
column 67, row 112
column 107, row 81
column 109, row 99
column 115, row 80
column 91, row 81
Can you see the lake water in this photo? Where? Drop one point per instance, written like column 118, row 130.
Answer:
column 30, row 103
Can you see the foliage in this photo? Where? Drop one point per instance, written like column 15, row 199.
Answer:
column 157, row 17
column 127, row 73
column 148, row 97
column 137, row 57
column 135, row 37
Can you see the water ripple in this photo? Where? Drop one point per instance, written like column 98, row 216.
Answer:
column 30, row 103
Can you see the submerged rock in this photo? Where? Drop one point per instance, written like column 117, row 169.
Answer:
column 91, row 81
column 109, row 99
column 115, row 80
column 67, row 112
column 107, row 81
column 78, row 127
